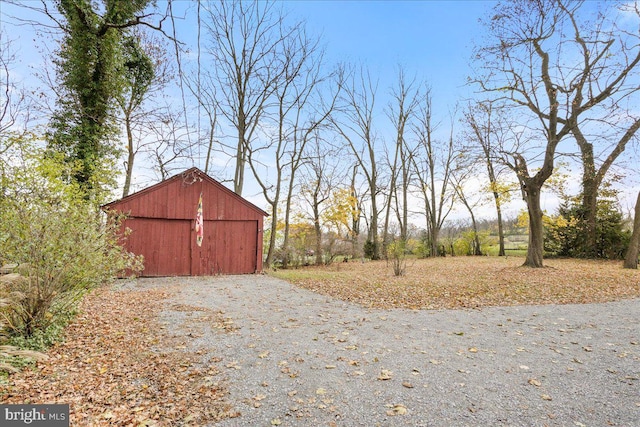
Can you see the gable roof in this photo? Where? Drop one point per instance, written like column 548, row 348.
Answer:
column 192, row 173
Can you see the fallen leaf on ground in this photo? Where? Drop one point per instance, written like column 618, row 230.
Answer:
column 385, row 374
column 461, row 282
column 397, row 410
column 141, row 376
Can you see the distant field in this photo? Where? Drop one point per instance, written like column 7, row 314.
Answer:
column 455, row 282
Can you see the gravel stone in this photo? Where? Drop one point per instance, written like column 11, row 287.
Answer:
column 291, row 357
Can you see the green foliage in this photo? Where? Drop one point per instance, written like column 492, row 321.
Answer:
column 61, row 242
column 566, row 231
column 90, row 67
column 139, row 72
column 370, row 249
column 397, row 255
column 41, row 339
column 464, row 245
column 13, row 356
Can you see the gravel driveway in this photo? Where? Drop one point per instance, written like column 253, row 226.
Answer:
column 291, row 357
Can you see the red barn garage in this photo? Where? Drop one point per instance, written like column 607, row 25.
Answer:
column 191, row 225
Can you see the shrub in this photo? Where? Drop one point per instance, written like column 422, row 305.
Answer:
column 566, row 232
column 11, row 357
column 396, row 254
column 62, row 243
column 370, row 249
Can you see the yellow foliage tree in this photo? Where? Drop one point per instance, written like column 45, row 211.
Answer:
column 342, row 212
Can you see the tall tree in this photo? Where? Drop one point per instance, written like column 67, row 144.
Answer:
column 204, row 88
column 461, row 174
column 13, row 99
column 487, row 132
column 433, row 163
column 246, row 41
column 88, row 61
column 299, row 114
column 170, row 143
column 355, row 126
column 146, row 72
column 401, row 110
column 321, row 173
column 305, row 130
column 606, row 83
column 532, row 64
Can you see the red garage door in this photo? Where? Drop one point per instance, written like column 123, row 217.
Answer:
column 164, row 243
column 169, row 247
column 228, row 247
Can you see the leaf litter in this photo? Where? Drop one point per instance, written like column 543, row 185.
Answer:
column 117, row 366
column 470, row 282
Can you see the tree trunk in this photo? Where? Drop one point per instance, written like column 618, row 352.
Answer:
column 589, row 202
column 476, row 238
column 272, row 237
column 316, row 226
column 130, row 157
column 435, row 249
column 535, row 249
column 631, row 260
column 238, row 180
column 501, row 251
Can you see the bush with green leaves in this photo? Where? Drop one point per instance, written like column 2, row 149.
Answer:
column 466, row 243
column 397, row 256
column 370, row 249
column 61, row 241
column 565, row 233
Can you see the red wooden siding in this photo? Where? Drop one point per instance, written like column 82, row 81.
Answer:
column 162, row 220
column 228, row 247
column 166, row 252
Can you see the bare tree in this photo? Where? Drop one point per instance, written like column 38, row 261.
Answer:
column 462, row 172
column 321, row 174
column 302, row 133
column 400, row 111
column 169, row 143
column 13, row 99
column 246, row 40
column 433, row 163
column 355, row 126
column 487, row 132
column 204, row 88
column 609, row 62
column 531, row 65
column 299, row 114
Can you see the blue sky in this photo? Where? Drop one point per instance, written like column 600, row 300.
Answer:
column 433, row 40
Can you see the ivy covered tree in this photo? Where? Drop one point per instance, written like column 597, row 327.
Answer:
column 147, row 71
column 89, row 68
